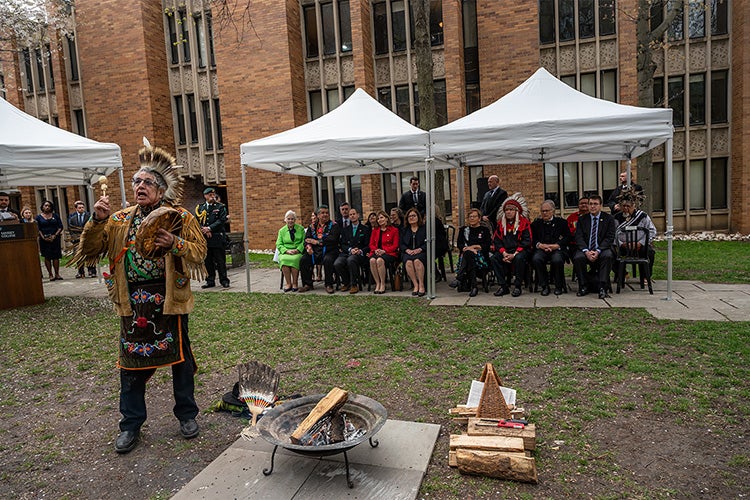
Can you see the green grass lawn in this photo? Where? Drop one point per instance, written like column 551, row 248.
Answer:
column 708, row 261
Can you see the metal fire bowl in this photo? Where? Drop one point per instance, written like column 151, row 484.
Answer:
column 280, row 422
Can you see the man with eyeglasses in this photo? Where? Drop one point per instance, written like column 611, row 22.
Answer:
column 150, row 293
column 549, row 240
column 595, row 235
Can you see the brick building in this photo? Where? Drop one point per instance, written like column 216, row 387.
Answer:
column 172, row 72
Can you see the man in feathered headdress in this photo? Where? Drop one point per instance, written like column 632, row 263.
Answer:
column 630, row 201
column 150, row 290
column 512, row 240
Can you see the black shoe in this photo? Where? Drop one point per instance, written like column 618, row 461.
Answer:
column 474, row 291
column 503, row 290
column 189, row 428
column 126, row 441
column 582, row 291
column 545, row 291
column 559, row 291
column 208, row 285
column 603, row 293
column 453, row 284
column 225, row 284
column 516, row 292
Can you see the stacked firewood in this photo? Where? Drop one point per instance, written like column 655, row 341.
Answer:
column 498, row 441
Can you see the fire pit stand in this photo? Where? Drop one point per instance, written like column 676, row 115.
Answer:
column 280, row 422
column 374, row 444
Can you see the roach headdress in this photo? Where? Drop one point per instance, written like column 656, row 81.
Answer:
column 163, row 165
column 633, row 196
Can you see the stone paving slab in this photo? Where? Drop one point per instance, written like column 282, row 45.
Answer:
column 393, row 470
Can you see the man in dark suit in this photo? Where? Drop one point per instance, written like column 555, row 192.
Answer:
column 614, row 207
column 549, row 239
column 76, row 221
column 212, row 216
column 355, row 245
column 343, row 217
column 414, row 198
column 321, row 247
column 6, row 213
column 595, row 235
column 492, row 201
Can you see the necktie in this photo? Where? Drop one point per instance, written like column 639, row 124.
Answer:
column 593, row 244
column 416, row 198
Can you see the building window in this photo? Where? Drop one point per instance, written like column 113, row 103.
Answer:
column 384, row 97
column 697, row 99
column 659, row 92
column 546, row 21
column 676, row 99
column 658, row 187
column 697, row 184
column 50, row 72
column 436, row 22
column 311, row 31
column 403, row 106
column 609, row 85
column 219, row 136
column 676, row 30
column 697, row 19
column 332, row 99
column 182, row 20
column 390, row 191
column 398, row 25
column 588, row 84
column 586, row 18
column 173, row 42
column 719, row 183
column 551, row 183
column 570, row 184
column 329, row 32
column 39, row 70
column 719, row 17
column 678, row 185
column 719, row 100
column 3, row 90
column 210, row 27
column 345, row 26
column 316, row 105
column 566, row 21
column 208, row 133
column 72, row 58
column 26, row 55
column 180, row 115
column 607, row 18
column 380, row 25
column 193, row 118
column 200, row 38
column 79, row 122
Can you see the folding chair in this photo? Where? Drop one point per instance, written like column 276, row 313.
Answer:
column 628, row 253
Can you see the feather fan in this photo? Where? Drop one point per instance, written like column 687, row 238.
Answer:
column 258, row 384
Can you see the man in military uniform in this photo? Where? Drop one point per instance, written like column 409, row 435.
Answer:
column 212, row 216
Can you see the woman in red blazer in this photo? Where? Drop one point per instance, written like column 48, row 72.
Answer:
column 384, row 250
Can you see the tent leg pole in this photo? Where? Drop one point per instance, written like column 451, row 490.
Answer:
column 460, row 193
column 670, row 223
column 430, row 228
column 245, row 237
column 122, row 188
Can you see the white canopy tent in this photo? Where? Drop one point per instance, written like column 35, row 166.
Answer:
column 360, row 136
column 34, row 153
column 545, row 120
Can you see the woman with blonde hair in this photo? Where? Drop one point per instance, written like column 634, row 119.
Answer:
column 290, row 243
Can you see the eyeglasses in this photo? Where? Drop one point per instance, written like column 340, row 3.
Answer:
column 145, row 182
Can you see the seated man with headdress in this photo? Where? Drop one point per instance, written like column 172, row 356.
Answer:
column 321, row 247
column 512, row 241
column 154, row 247
column 630, row 215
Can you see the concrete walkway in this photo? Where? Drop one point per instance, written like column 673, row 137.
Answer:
column 691, row 300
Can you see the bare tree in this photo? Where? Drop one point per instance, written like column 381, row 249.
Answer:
column 26, row 22
column 426, row 85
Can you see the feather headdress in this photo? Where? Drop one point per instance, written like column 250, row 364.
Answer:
column 517, row 200
column 629, row 194
column 162, row 164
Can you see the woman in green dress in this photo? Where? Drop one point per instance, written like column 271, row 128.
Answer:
column 290, row 244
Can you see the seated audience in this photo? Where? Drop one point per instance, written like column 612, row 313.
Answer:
column 355, row 245
column 372, row 220
column 413, row 246
column 384, row 241
column 549, row 239
column 474, row 240
column 512, row 241
column 343, row 218
column 583, row 209
column 595, row 235
column 630, row 215
column 321, row 247
column 290, row 244
column 397, row 218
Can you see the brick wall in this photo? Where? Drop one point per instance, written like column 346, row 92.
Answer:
column 740, row 173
